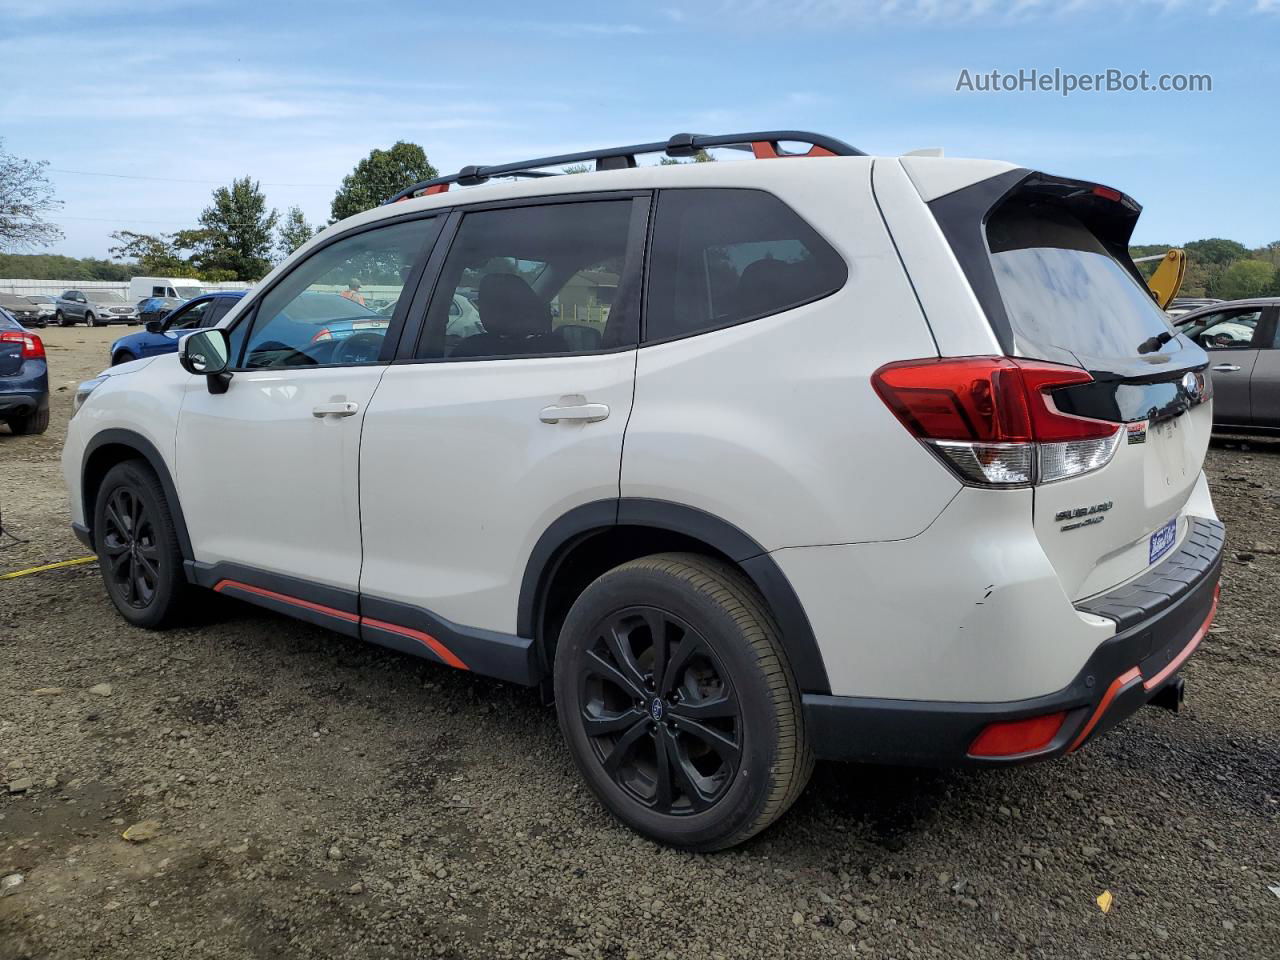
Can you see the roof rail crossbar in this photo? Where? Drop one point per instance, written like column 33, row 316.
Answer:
column 763, row 144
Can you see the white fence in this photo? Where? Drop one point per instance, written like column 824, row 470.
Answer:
column 51, row 288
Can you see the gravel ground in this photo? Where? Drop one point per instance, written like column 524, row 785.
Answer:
column 315, row 797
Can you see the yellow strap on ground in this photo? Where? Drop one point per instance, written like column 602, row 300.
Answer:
column 47, row 566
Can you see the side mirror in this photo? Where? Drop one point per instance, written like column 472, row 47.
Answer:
column 155, row 326
column 207, row 353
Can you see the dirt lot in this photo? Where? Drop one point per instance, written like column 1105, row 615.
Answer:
column 316, row 797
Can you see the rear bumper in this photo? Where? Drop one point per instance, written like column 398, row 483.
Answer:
column 1161, row 618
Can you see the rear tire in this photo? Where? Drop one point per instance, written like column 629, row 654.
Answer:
column 137, row 545
column 60, row 319
column 32, row 423
column 712, row 739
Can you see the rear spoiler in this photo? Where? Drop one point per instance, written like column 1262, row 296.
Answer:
column 962, row 216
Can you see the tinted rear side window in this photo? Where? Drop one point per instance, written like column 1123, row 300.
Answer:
column 1062, row 288
column 721, row 257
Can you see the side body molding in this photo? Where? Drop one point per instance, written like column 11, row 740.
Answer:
column 602, row 516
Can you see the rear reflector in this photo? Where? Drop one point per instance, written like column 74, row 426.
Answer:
column 32, row 346
column 993, row 421
column 1017, row 736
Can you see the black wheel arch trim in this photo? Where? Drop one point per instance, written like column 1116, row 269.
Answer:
column 145, row 449
column 600, row 516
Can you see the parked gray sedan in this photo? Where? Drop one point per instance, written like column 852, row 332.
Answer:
column 94, row 307
column 1243, row 343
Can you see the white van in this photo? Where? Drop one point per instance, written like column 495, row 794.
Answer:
column 180, row 288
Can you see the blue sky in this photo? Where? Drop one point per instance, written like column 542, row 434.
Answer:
column 294, row 94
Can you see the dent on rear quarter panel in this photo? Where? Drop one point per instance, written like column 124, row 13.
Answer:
column 772, row 425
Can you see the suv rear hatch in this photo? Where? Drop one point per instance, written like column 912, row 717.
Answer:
column 1048, row 260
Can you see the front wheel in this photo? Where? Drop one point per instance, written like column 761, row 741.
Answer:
column 122, row 357
column 90, row 320
column 137, row 546
column 678, row 704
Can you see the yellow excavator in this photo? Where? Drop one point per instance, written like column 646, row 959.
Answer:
column 1165, row 282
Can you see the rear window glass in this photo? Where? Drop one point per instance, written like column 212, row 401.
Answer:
column 1063, row 289
column 724, row 256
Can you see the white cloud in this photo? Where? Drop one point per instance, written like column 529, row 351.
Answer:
column 828, row 12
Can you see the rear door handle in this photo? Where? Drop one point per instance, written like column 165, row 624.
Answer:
column 1227, row 367
column 344, row 409
column 586, row 412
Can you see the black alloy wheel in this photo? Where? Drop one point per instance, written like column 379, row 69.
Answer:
column 136, row 540
column 660, row 711
column 677, row 702
column 130, row 548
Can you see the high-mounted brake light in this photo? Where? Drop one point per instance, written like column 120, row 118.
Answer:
column 993, row 421
column 1106, row 193
column 32, row 346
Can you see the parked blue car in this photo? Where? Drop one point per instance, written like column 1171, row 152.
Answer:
column 24, row 378
column 162, row 336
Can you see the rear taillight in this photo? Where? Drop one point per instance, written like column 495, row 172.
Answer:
column 993, row 421
column 321, row 335
column 32, row 346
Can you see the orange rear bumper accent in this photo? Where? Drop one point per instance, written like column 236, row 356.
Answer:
column 1133, row 675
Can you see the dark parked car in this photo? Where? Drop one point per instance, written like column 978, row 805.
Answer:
column 157, row 308
column 1243, row 343
column 24, row 378
column 162, row 336
column 23, row 310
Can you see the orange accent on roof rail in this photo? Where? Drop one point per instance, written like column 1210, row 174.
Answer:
column 768, row 150
column 437, row 188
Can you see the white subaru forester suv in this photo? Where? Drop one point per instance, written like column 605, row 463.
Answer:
column 818, row 454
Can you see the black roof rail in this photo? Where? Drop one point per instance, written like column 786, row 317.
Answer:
column 763, row 144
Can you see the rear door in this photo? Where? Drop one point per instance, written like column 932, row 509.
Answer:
column 483, row 434
column 1061, row 287
column 1264, row 386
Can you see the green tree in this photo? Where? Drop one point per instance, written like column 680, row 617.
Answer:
column 235, row 233
column 294, row 232
column 700, row 157
column 26, row 196
column 1216, row 250
column 1245, row 279
column 154, row 253
column 379, row 177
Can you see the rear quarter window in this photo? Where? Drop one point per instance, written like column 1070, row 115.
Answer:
column 725, row 256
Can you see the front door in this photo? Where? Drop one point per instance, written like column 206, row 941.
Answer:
column 1264, row 385
column 1228, row 337
column 486, row 432
column 272, row 462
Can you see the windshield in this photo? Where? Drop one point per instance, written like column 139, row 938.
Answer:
column 186, row 293
column 41, row 299
column 105, row 296
column 1062, row 289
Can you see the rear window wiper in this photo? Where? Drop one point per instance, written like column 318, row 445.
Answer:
column 1152, row 344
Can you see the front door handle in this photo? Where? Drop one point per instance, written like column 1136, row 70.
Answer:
column 1227, row 367
column 345, row 409
column 584, row 412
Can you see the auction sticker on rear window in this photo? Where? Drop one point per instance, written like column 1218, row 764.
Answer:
column 1162, row 540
